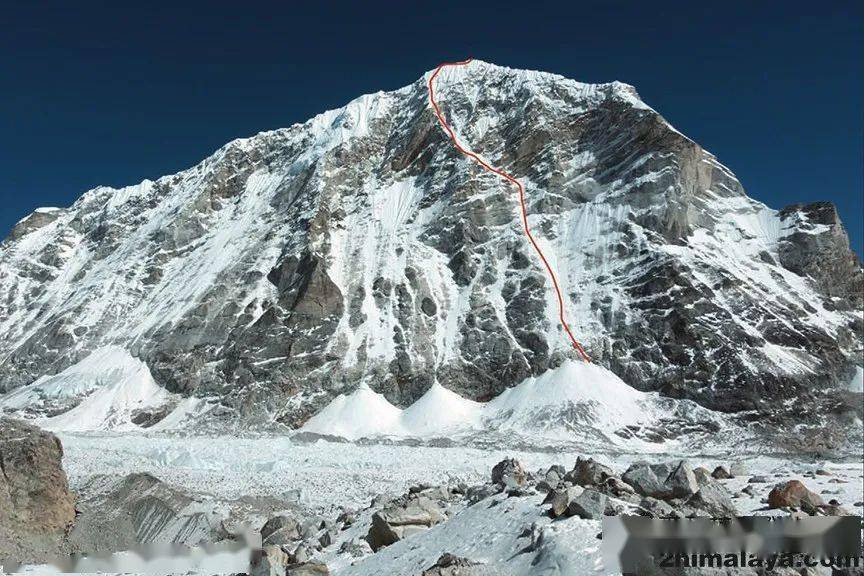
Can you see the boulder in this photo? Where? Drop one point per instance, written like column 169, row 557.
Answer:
column 280, row 530
column 33, row 486
column 714, row 500
column 356, row 547
column 551, row 478
column 268, row 561
column 300, row 554
column 554, row 474
column 480, row 492
column 616, row 487
column 309, row 528
column 721, row 473
column 703, row 476
column 397, row 522
column 668, row 480
column 313, row 568
column 793, row 494
column 590, row 505
column 451, row 565
column 681, row 482
column 587, row 472
column 643, row 479
column 36, row 506
column 509, row 474
column 654, row 508
column 560, row 499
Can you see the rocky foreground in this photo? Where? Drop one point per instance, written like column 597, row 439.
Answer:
column 419, row 532
column 588, row 491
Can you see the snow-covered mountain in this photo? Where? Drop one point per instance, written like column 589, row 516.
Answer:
column 360, row 248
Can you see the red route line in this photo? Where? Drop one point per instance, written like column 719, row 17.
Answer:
column 512, row 180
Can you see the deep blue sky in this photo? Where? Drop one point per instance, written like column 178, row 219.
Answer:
column 111, row 93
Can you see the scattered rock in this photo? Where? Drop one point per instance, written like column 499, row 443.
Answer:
column 326, row 539
column 834, row 510
column 346, row 518
column 757, row 480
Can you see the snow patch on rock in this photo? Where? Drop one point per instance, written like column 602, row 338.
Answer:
column 857, row 382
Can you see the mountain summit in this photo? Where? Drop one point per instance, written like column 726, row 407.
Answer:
column 360, row 248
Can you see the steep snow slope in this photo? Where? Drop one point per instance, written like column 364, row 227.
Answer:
column 361, row 248
column 360, row 413
column 107, row 390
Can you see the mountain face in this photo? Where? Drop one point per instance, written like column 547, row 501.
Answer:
column 361, row 247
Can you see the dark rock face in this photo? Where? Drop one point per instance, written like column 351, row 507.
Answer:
column 361, row 247
column 818, row 249
column 36, row 508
